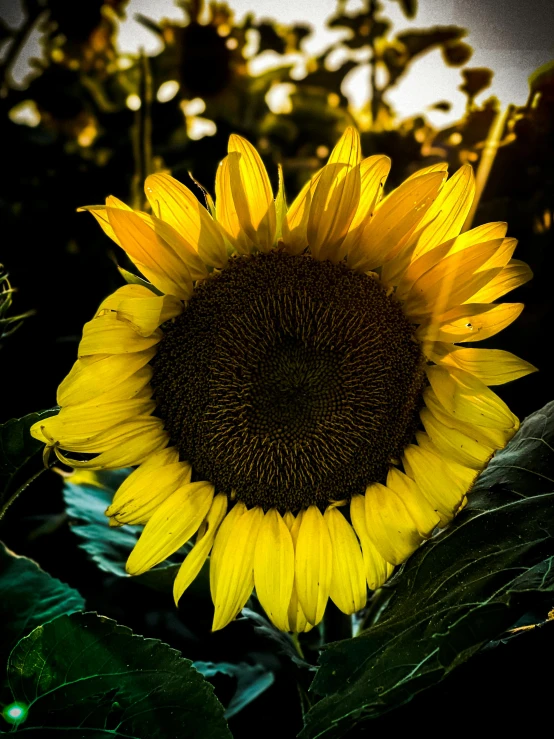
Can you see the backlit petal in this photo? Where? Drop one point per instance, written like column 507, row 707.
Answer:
column 491, row 366
column 470, row 322
column 252, row 193
column 177, row 205
column 394, row 221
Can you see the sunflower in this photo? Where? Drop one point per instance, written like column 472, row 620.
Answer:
column 288, row 382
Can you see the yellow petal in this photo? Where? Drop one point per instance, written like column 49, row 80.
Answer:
column 148, row 248
column 394, row 221
column 171, row 526
column 421, row 512
column 451, row 281
column 100, row 214
column 93, row 376
column 491, row 366
column 503, row 255
column 334, row 202
column 480, row 235
column 446, row 217
column 144, row 438
column 444, row 490
column 108, row 334
column 465, row 475
column 298, row 622
column 280, row 205
column 141, row 308
column 176, row 204
column 470, row 322
column 220, row 543
column 226, row 212
column 82, row 427
column 377, row 569
column 140, row 496
column 468, row 399
column 439, row 167
column 348, row 149
column 516, row 273
column 314, row 562
column 489, row 437
column 389, row 525
column 295, row 225
column 108, row 438
column 454, row 444
column 234, row 580
column 252, row 193
column 373, row 175
column 274, row 568
column 348, row 585
column 195, row 559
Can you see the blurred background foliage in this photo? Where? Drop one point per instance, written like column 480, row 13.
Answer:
column 91, row 121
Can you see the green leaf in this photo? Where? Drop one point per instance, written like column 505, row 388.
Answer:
column 460, row 590
column 20, row 456
column 252, row 681
column 109, row 546
column 29, row 597
column 87, row 673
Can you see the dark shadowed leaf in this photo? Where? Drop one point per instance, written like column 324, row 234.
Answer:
column 251, row 681
column 283, row 640
column 29, row 597
column 109, row 547
column 409, row 7
column 463, row 588
column 422, row 40
column 475, row 81
column 457, row 53
column 85, row 673
column 20, row 456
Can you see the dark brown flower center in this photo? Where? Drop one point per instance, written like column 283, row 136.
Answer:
column 289, row 382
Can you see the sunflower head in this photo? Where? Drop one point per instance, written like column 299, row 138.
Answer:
column 294, row 386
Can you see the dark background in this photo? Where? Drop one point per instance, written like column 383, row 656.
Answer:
column 88, row 144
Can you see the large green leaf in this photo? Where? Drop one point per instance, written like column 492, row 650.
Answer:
column 85, row 673
column 28, row 598
column 461, row 589
column 20, row 456
column 109, row 547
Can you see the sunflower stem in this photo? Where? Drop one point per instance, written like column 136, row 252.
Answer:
column 142, row 138
column 487, row 160
column 296, row 641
